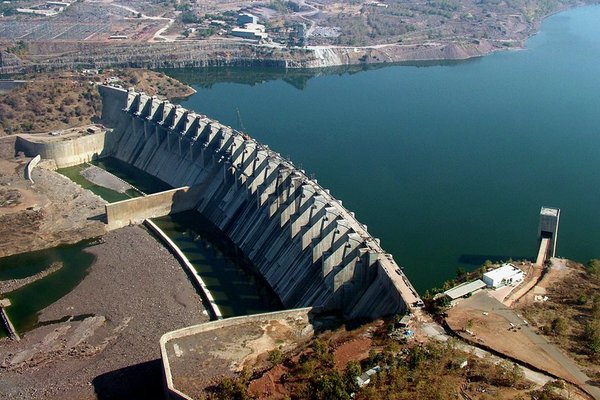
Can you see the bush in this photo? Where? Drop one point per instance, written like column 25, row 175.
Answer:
column 558, row 326
column 275, row 357
column 593, row 267
column 582, row 300
column 592, row 335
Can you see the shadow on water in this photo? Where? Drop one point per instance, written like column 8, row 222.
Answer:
column 479, row 259
column 140, row 381
column 298, row 78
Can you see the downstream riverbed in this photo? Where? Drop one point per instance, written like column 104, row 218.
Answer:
column 227, row 273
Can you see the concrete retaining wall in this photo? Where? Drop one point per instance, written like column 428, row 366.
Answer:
column 30, row 166
column 214, row 308
column 138, row 209
column 307, row 246
column 170, row 390
column 65, row 153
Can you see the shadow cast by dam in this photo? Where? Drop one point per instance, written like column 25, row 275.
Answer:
column 98, row 217
column 140, row 381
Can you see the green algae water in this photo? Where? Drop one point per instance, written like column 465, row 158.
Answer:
column 447, row 164
column 224, row 269
column 74, row 174
column 29, row 300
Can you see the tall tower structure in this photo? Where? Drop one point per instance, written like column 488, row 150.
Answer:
column 548, row 229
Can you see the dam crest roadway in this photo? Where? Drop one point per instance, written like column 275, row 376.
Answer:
column 305, row 244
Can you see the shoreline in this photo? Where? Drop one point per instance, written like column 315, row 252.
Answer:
column 9, row 285
column 220, row 53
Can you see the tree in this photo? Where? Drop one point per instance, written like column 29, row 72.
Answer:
column 592, row 334
column 352, row 371
column 275, row 357
column 596, row 307
column 559, row 326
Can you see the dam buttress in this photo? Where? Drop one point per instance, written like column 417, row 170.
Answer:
column 306, row 245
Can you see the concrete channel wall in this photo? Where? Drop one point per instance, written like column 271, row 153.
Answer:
column 65, row 153
column 136, row 210
column 30, row 166
column 214, row 308
column 307, row 246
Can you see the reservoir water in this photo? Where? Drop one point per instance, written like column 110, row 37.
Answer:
column 447, row 163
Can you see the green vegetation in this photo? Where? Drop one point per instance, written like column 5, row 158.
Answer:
column 19, row 48
column 275, row 357
column 284, row 6
column 50, row 104
column 189, row 17
column 431, row 370
column 593, row 267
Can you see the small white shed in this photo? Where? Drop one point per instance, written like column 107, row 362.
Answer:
column 507, row 274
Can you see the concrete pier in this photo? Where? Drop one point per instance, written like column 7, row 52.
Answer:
column 307, row 246
column 548, row 234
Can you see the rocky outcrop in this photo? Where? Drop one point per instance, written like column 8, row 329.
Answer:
column 219, row 54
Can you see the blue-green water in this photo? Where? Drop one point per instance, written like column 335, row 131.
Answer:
column 29, row 300
column 447, row 164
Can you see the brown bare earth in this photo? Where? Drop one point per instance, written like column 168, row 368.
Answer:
column 200, row 360
column 50, row 212
column 569, row 291
column 135, row 292
column 61, row 100
column 495, row 331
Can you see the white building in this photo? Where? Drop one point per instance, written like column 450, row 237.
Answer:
column 507, row 274
column 250, row 31
column 465, row 289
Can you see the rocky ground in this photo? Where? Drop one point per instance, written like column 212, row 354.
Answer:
column 49, row 212
column 135, row 292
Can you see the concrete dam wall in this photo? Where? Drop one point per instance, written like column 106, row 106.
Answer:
column 307, row 246
column 65, row 153
column 138, row 209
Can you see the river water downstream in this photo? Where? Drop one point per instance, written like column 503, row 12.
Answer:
column 448, row 164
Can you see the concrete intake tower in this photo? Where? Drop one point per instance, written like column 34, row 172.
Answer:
column 306, row 245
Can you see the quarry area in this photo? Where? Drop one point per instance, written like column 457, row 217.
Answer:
column 284, row 33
